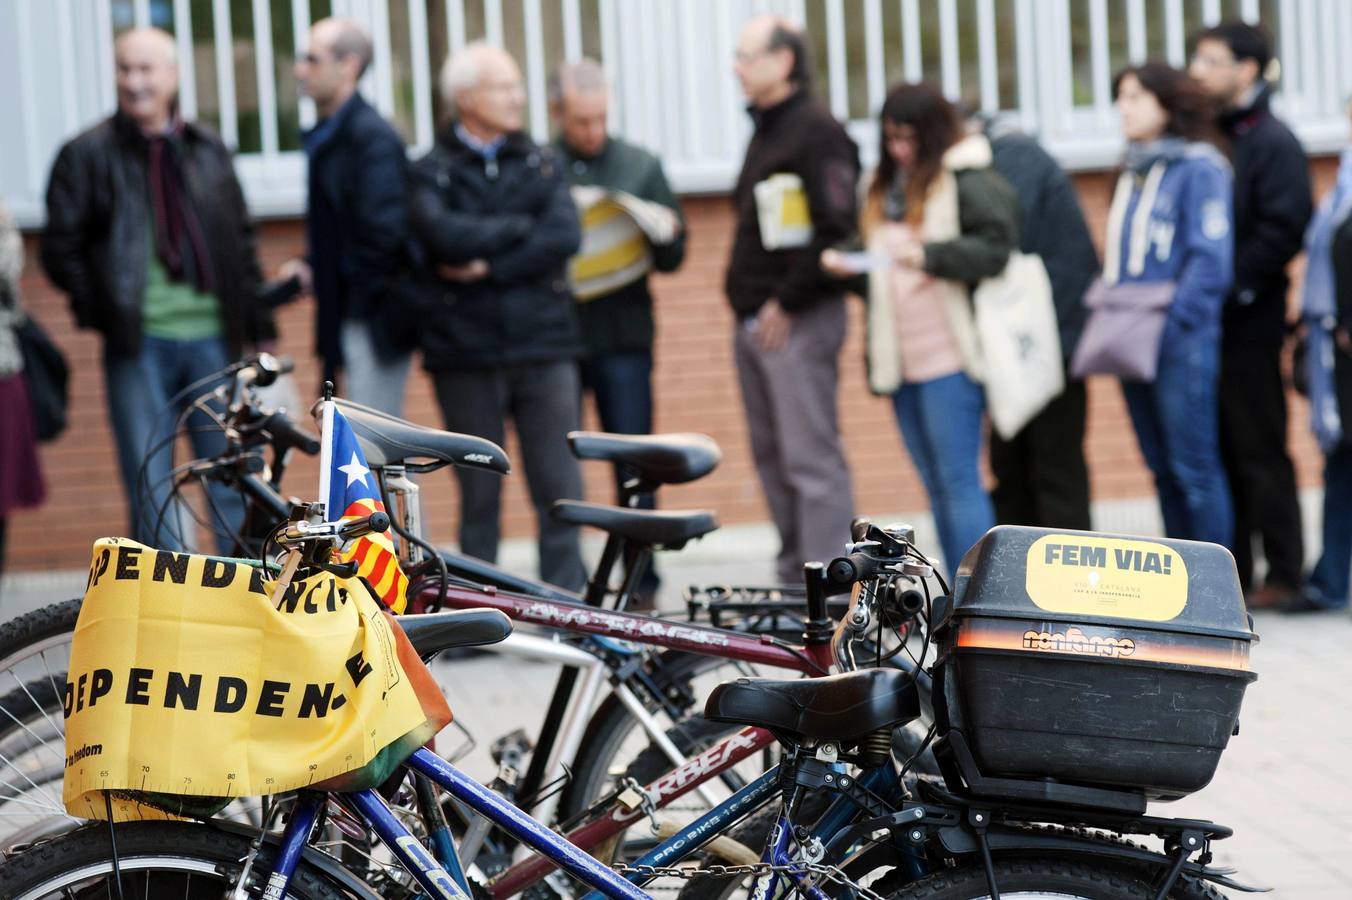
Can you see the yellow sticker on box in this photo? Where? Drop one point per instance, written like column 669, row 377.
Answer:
column 1099, row 576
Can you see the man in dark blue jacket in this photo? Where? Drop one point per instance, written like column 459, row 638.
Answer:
column 355, row 223
column 499, row 334
column 1272, row 206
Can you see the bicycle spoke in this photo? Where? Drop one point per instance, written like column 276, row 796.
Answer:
column 10, row 763
column 49, row 745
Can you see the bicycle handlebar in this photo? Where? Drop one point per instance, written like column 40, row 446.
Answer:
column 297, row 533
column 285, row 431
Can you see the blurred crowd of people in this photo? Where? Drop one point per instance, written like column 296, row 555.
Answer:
column 520, row 271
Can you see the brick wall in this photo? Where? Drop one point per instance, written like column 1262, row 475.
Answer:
column 696, row 391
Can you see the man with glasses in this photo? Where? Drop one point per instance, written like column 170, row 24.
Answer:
column 493, row 217
column 1272, row 208
column 800, row 165
column 355, row 224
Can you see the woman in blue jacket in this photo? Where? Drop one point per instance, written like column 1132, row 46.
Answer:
column 1171, row 221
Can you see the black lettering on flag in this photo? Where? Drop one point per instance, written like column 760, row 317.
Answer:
column 358, row 668
column 100, row 683
column 127, row 558
column 231, row 694
column 185, row 691
column 256, row 585
column 100, row 566
column 311, row 607
column 138, row 687
column 318, row 701
column 271, row 696
column 175, row 565
column 79, row 691
column 68, row 700
column 217, row 573
column 291, row 599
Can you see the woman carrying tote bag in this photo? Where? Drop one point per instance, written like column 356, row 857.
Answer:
column 1155, row 314
column 939, row 220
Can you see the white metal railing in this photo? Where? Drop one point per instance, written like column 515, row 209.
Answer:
column 1048, row 61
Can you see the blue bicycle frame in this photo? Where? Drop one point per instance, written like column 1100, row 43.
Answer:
column 435, row 879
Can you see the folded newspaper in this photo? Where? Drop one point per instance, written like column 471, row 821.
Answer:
column 618, row 230
column 782, row 212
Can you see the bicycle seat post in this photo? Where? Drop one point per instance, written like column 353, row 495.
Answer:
column 405, row 509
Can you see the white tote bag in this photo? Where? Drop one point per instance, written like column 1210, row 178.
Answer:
column 1020, row 343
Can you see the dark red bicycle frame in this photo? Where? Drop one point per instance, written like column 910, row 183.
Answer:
column 644, row 629
column 641, row 628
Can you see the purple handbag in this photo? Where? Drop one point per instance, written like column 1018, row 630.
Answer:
column 1126, row 324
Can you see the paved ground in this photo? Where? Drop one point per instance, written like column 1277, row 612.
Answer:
column 1283, row 785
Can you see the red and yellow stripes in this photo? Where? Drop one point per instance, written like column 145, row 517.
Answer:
column 376, row 559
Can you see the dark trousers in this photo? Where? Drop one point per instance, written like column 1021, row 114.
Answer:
column 1040, row 473
column 1262, row 478
column 542, row 400
column 790, row 400
column 1328, row 582
column 621, row 384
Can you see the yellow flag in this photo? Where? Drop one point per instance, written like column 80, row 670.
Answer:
column 184, row 679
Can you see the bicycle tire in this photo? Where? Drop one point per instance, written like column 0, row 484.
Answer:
column 1040, row 879
column 21, row 633
column 180, row 850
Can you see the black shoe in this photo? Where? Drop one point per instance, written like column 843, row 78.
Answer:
column 1301, row 603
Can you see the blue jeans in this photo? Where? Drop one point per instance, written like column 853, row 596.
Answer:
column 139, row 389
column 621, row 383
column 1328, row 584
column 1176, row 418
column 941, row 425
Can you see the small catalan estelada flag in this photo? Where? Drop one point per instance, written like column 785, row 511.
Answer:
column 349, row 490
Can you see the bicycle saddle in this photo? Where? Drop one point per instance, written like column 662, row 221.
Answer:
column 835, row 707
column 389, row 441
column 430, row 633
column 659, row 458
column 664, row 529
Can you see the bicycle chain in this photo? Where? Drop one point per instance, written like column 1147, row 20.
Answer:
column 830, row 873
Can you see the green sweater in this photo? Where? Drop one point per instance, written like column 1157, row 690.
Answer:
column 175, row 310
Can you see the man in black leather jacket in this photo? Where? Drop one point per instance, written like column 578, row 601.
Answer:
column 499, row 333
column 148, row 234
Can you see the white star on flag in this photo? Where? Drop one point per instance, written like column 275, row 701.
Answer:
column 355, row 471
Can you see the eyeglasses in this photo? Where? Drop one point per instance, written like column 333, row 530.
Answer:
column 1213, row 62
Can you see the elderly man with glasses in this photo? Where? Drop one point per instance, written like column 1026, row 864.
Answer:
column 493, row 216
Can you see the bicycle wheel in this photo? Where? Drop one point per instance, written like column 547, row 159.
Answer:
column 1047, row 879
column 34, row 657
column 615, row 746
column 157, row 859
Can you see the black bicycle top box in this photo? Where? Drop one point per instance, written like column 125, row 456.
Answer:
column 1094, row 660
